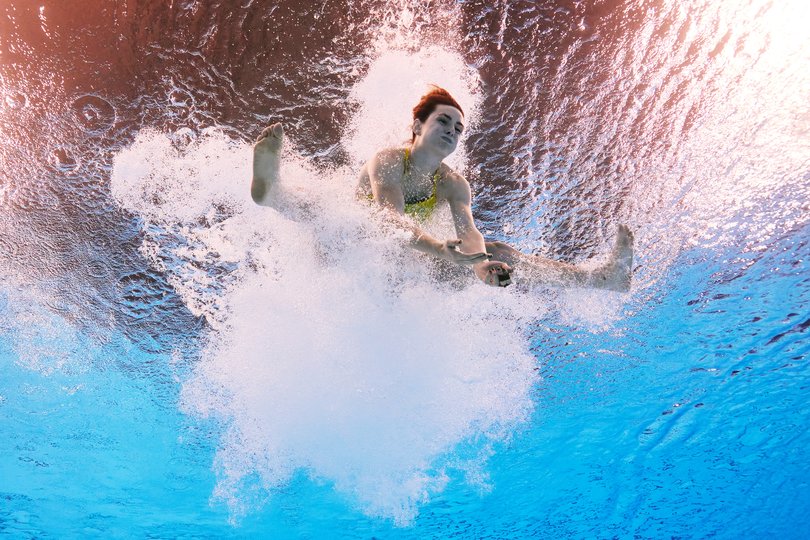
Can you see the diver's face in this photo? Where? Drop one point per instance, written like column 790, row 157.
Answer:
column 442, row 128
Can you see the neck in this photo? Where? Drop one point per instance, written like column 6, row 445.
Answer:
column 425, row 159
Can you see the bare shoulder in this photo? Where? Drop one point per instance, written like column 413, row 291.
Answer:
column 386, row 158
column 385, row 165
column 454, row 185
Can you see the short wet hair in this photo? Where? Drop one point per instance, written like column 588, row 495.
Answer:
column 427, row 104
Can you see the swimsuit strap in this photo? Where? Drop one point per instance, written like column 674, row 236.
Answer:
column 423, row 209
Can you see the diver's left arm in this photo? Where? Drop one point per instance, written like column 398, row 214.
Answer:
column 459, row 198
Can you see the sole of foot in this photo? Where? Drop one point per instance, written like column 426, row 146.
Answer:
column 616, row 274
column 266, row 160
column 622, row 260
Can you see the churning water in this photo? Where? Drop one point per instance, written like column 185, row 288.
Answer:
column 177, row 361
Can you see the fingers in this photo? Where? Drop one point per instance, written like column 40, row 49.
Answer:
column 461, row 257
column 499, row 268
column 464, row 258
column 470, row 258
column 505, row 268
column 498, row 279
column 499, row 275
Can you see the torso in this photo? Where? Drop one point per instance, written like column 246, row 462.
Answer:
column 420, row 192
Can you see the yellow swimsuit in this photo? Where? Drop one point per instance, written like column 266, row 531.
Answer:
column 420, row 210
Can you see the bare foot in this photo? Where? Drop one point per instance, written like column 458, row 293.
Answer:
column 615, row 275
column 266, row 162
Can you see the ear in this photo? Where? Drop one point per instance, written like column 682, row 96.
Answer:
column 416, row 128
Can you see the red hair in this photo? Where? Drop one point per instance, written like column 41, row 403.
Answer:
column 427, row 104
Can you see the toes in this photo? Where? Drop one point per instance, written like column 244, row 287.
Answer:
column 624, row 236
column 275, row 130
column 265, row 132
column 627, row 232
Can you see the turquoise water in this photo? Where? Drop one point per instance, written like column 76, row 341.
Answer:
column 178, row 362
column 705, row 437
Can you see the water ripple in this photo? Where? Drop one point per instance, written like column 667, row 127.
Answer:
column 94, row 114
column 9, row 247
column 62, row 160
column 141, row 292
column 99, row 269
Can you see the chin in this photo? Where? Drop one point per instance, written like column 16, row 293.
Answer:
column 446, row 148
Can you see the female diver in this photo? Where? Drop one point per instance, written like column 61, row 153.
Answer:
column 411, row 181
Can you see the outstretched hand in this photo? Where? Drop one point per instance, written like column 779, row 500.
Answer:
column 449, row 251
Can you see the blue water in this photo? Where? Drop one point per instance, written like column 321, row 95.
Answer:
column 176, row 362
column 705, row 437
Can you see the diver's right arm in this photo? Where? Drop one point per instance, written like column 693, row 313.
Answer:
column 384, row 175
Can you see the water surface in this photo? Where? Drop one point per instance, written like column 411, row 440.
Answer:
column 177, row 361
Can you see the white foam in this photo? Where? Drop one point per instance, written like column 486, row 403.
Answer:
column 334, row 348
column 393, row 85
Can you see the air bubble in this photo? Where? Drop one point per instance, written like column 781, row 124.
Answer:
column 180, row 98
column 93, row 113
column 96, row 240
column 99, row 269
column 16, row 100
